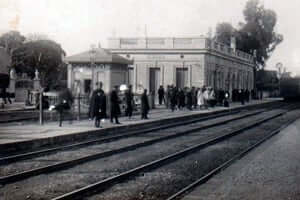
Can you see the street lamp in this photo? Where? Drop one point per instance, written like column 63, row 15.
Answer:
column 279, row 67
column 92, row 53
column 182, row 57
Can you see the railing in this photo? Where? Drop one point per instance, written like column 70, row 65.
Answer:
column 176, row 43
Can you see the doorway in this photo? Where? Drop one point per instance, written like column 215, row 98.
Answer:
column 181, row 77
column 154, row 80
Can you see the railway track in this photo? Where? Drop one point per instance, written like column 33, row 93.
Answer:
column 137, row 145
column 101, row 154
column 121, row 134
column 14, row 156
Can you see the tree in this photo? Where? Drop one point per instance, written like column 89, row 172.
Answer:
column 36, row 36
column 224, row 32
column 11, row 41
column 42, row 55
column 257, row 34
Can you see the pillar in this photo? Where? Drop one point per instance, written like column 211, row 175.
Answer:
column 12, row 82
column 70, row 76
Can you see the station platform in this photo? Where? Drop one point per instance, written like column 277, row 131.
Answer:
column 25, row 135
column 15, row 106
column 270, row 171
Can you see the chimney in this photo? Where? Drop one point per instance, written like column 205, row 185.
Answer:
column 233, row 43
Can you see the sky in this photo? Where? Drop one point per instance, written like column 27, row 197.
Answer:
column 78, row 24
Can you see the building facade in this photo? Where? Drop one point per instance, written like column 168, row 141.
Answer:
column 98, row 65
column 184, row 62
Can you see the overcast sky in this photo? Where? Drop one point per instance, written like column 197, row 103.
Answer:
column 77, row 24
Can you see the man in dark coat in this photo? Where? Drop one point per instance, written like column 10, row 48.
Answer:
column 226, row 99
column 181, row 99
column 168, row 96
column 129, row 102
column 173, row 98
column 242, row 96
column 161, row 95
column 98, row 106
column 115, row 110
column 144, row 105
column 189, row 99
column 99, row 86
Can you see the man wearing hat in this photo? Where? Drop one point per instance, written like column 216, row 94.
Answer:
column 98, row 105
column 115, row 110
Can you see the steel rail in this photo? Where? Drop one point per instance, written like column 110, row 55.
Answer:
column 66, row 164
column 156, row 163
column 14, row 158
column 215, row 171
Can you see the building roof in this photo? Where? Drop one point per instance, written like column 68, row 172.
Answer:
column 100, row 55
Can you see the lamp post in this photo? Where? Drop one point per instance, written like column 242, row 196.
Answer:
column 279, row 67
column 182, row 57
column 227, row 84
column 92, row 53
column 216, row 77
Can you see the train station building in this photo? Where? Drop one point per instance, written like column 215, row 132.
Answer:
column 147, row 63
column 184, row 62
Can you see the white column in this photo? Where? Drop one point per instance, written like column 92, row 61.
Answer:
column 135, row 68
column 70, row 76
column 190, row 75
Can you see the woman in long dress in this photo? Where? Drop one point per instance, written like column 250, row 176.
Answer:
column 200, row 98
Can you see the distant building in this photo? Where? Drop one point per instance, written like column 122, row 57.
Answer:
column 184, row 62
column 98, row 65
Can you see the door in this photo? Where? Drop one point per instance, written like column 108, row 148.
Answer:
column 154, row 80
column 181, row 77
column 87, row 86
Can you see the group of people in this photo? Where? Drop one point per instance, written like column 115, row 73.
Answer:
column 202, row 98
column 98, row 105
column 174, row 98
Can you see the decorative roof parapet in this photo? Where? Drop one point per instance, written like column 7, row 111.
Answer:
column 190, row 43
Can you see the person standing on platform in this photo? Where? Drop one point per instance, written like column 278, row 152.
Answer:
column 65, row 101
column 242, row 96
column 161, row 95
column 98, row 106
column 144, row 105
column 200, row 98
column 189, row 99
column 129, row 102
column 194, row 97
column 99, row 86
column 5, row 95
column 226, row 99
column 173, row 98
column 168, row 96
column 181, row 99
column 205, row 96
column 212, row 97
column 115, row 110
